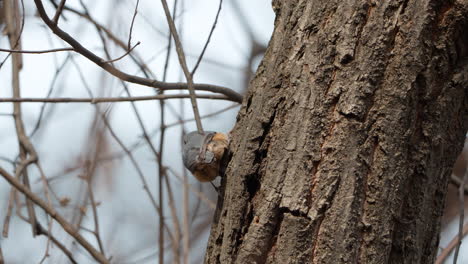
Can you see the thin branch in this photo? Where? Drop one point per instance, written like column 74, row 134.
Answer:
column 218, row 63
column 125, row 54
column 134, row 163
column 94, row 209
column 27, row 153
column 176, row 224
column 54, row 214
column 41, row 115
column 146, row 137
column 36, row 51
column 185, row 192
column 455, row 180
column 12, row 162
column 136, row 59
column 137, row 167
column 17, row 43
column 183, row 64
column 98, row 137
column 179, row 122
column 6, row 221
column 209, row 38
column 42, row 231
column 161, row 169
column 119, row 141
column 200, row 195
column 131, row 25
column 59, row 11
column 186, row 212
column 49, row 200
column 135, row 145
column 447, row 250
column 231, row 94
column 133, row 56
column 98, row 100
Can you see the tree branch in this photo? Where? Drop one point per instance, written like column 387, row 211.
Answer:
column 54, row 214
column 209, row 38
column 110, row 99
column 36, row 51
column 183, row 64
column 231, row 94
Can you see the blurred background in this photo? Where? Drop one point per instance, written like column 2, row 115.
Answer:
column 114, row 169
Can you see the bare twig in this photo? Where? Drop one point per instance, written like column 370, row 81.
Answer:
column 129, row 44
column 232, row 95
column 49, row 200
column 453, row 243
column 158, row 158
column 200, row 195
column 59, row 11
column 25, row 146
column 137, row 168
column 101, row 29
column 42, row 231
column 183, row 64
column 98, row 100
column 15, row 32
column 98, row 136
column 186, row 215
column 54, row 214
column 161, row 168
column 175, row 221
column 125, row 54
column 209, row 38
column 128, row 152
column 135, row 145
column 138, row 143
column 455, row 180
column 163, row 125
column 137, row 60
column 58, row 70
column 36, row 51
column 94, row 209
column 12, row 162
column 6, row 222
column 134, row 163
column 185, row 194
column 121, row 144
column 215, row 113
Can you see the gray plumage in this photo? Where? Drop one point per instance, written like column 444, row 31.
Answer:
column 193, row 149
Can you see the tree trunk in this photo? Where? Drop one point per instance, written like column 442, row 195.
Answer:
column 345, row 140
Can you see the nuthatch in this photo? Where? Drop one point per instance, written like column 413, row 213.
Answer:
column 202, row 154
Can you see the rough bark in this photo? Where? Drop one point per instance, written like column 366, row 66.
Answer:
column 343, row 146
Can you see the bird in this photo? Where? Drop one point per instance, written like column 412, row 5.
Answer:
column 202, row 153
